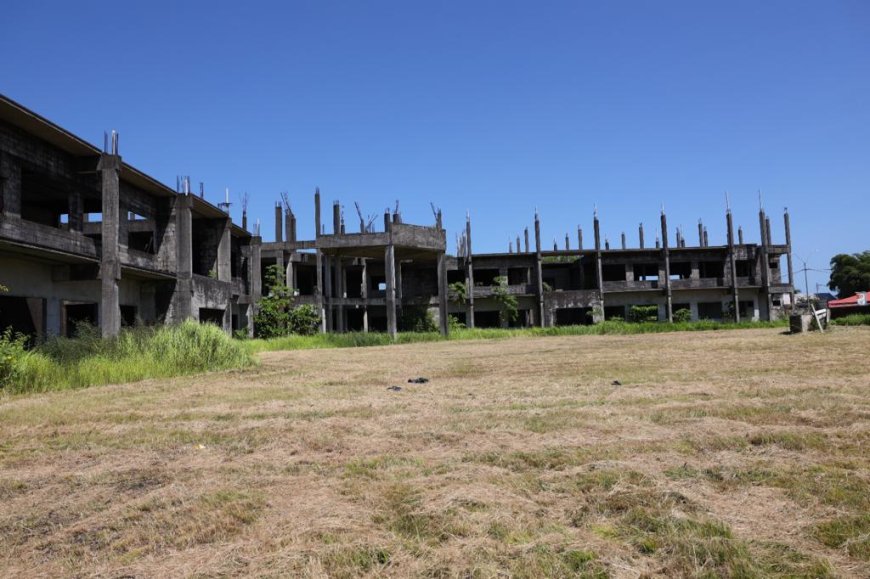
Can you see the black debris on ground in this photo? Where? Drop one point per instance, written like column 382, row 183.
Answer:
column 419, row 380
column 616, row 383
column 394, row 388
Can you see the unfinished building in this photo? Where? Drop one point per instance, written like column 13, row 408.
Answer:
column 87, row 237
column 369, row 279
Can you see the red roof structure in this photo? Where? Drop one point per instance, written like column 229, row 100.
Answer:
column 859, row 299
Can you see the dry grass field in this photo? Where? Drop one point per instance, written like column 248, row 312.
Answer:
column 740, row 453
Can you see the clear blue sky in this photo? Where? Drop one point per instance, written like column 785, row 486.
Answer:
column 496, row 107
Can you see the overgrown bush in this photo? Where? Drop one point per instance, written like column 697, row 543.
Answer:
column 417, row 319
column 303, row 320
column 12, row 353
column 639, row 314
column 682, row 315
column 276, row 315
column 852, row 320
column 136, row 354
column 507, row 303
column 453, row 324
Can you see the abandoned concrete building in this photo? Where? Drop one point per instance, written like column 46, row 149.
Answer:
column 85, row 236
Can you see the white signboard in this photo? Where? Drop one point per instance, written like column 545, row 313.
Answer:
column 862, row 298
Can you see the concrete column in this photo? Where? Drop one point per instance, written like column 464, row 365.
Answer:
column 288, row 226
column 10, row 186
column 336, row 218
column 787, row 223
column 763, row 222
column 579, row 238
column 526, row 239
column 539, row 274
column 339, row 292
column 442, row 294
column 469, row 272
column 669, row 304
column 76, row 211
column 254, row 276
column 279, row 227
column 110, row 263
column 599, row 270
column 327, row 291
column 224, row 254
column 364, row 293
column 53, row 316
column 732, row 265
column 390, row 274
column 640, row 235
column 183, row 295
column 316, row 212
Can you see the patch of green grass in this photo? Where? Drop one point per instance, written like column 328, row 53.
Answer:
column 372, row 467
column 545, row 459
column 554, row 561
column 351, row 560
column 402, row 512
column 852, row 320
column 849, row 532
column 360, row 339
column 136, row 354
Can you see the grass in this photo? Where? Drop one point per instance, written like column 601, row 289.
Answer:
column 719, row 454
column 136, row 354
column 360, row 339
column 852, row 320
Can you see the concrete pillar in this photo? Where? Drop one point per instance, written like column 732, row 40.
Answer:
column 763, row 222
column 526, row 236
column 787, row 223
column 183, row 295
column 224, row 253
column 700, row 233
column 288, row 226
column 599, row 269
column 53, row 316
column 316, row 212
column 740, row 235
column 110, row 263
column 640, row 235
column 254, row 275
column 579, row 238
column 469, row 267
column 442, row 294
column 293, row 233
column 539, row 274
column 328, row 291
column 364, row 293
column 567, row 243
column 340, row 293
column 336, row 218
column 390, row 274
column 669, row 305
column 732, row 265
column 289, row 273
column 623, row 240
column 10, row 186
column 279, row 226
column 76, row 211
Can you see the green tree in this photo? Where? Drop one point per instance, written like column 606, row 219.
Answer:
column 850, row 273
column 276, row 315
column 457, row 292
column 507, row 303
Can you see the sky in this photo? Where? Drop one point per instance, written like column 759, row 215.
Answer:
column 497, row 108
